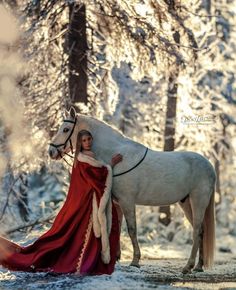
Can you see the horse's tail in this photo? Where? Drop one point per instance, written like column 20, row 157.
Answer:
column 209, row 233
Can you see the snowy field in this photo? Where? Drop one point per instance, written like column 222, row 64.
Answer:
column 156, row 272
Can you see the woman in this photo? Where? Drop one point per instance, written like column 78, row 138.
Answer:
column 84, row 237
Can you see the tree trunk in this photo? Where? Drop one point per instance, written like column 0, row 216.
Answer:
column 23, row 200
column 77, row 44
column 217, row 170
column 169, row 142
column 169, row 134
column 169, row 139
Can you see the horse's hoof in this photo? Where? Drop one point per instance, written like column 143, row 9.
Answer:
column 118, row 256
column 135, row 265
column 186, row 270
column 198, row 269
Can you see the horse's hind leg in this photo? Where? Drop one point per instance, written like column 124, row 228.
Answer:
column 130, row 217
column 120, row 218
column 198, row 211
column 199, row 266
column 186, row 207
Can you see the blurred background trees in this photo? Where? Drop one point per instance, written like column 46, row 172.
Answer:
column 160, row 71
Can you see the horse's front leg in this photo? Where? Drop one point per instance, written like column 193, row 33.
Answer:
column 120, row 218
column 130, row 217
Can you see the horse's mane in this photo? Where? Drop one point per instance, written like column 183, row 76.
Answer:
column 115, row 131
column 105, row 124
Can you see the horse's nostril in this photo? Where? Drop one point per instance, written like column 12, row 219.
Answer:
column 50, row 152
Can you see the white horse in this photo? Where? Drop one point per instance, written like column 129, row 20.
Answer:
column 149, row 177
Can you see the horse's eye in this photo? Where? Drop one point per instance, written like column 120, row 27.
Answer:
column 65, row 130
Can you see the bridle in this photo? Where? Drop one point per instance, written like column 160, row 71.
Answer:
column 67, row 140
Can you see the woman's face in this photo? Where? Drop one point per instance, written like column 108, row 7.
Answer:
column 86, row 142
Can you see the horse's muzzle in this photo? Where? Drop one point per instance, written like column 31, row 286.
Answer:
column 53, row 153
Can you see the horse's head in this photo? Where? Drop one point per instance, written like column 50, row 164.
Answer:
column 65, row 139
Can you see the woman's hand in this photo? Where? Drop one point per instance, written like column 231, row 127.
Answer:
column 116, row 159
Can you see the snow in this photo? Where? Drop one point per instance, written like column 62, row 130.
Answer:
column 160, row 269
column 161, row 262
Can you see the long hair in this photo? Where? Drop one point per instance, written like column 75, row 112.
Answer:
column 79, row 143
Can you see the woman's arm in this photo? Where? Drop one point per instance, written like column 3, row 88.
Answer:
column 116, row 159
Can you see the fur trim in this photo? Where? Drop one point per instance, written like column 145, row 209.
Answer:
column 90, row 160
column 96, row 223
column 104, row 219
column 109, row 216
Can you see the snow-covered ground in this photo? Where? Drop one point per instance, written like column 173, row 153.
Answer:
column 162, row 272
column 160, row 269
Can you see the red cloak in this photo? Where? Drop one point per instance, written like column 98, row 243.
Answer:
column 70, row 245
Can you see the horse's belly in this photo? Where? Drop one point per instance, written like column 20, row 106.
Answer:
column 151, row 189
column 163, row 184
column 159, row 199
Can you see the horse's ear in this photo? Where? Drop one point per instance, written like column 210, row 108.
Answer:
column 65, row 114
column 72, row 112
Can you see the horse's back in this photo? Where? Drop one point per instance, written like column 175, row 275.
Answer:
column 187, row 160
column 200, row 166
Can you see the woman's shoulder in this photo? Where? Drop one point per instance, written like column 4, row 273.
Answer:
column 90, row 159
column 89, row 153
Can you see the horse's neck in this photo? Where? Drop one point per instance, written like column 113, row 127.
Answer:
column 108, row 141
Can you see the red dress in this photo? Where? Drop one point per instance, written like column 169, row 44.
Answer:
column 70, row 245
